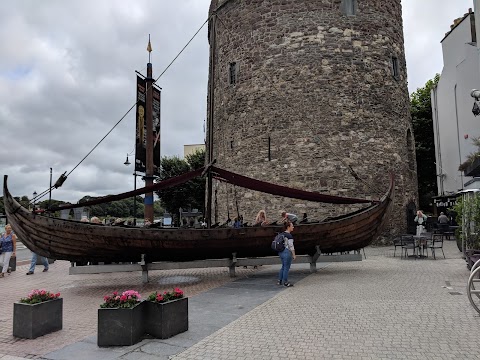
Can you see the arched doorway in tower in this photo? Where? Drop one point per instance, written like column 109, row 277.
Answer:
column 410, row 212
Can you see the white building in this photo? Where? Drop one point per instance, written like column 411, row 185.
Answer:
column 453, row 121
column 192, row 148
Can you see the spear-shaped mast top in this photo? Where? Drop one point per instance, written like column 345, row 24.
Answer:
column 149, row 48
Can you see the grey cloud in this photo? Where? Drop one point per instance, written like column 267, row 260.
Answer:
column 67, row 76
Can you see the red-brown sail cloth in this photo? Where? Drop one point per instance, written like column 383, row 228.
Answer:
column 230, row 177
column 274, row 189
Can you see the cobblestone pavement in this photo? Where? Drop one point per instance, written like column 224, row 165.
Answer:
column 82, row 296
column 381, row 308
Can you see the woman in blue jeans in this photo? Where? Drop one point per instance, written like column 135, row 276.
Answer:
column 34, row 262
column 287, row 255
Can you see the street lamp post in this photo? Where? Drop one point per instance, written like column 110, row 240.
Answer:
column 135, row 199
column 34, row 199
column 126, row 163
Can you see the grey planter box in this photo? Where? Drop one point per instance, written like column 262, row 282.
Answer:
column 32, row 321
column 166, row 319
column 120, row 327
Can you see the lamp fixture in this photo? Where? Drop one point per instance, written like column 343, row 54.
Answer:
column 126, row 163
column 476, row 107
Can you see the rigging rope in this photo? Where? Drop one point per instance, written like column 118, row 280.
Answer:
column 236, row 201
column 128, row 111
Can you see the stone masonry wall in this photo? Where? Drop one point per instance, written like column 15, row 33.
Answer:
column 320, row 85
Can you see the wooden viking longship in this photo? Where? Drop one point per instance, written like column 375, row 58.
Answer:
column 86, row 242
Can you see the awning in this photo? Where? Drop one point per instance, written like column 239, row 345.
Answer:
column 445, row 201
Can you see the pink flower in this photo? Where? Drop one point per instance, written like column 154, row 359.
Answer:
column 115, row 293
column 159, row 297
column 123, row 298
column 37, row 296
column 132, row 294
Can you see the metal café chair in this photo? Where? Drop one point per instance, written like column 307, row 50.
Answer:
column 397, row 242
column 436, row 243
column 408, row 243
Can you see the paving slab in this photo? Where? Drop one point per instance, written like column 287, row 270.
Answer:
column 89, row 350
column 209, row 312
column 383, row 307
column 82, row 296
column 10, row 357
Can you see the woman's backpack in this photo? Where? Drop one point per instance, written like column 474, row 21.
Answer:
column 278, row 243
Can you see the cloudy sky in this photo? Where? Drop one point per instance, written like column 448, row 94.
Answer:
column 67, row 75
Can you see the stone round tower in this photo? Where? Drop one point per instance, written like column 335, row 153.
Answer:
column 304, row 90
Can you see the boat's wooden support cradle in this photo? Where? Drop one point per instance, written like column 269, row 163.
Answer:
column 230, row 263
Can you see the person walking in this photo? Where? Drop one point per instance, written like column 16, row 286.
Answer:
column 34, row 262
column 8, row 241
column 287, row 255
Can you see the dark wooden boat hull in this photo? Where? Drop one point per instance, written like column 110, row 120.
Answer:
column 81, row 242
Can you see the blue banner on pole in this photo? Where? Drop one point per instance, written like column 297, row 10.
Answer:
column 148, row 200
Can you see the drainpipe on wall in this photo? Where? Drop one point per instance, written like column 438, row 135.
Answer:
column 458, row 133
column 437, row 145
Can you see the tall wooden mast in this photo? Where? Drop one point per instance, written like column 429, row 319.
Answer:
column 211, row 104
column 149, row 146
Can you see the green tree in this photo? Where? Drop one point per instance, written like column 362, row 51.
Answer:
column 158, row 209
column 44, row 205
column 467, row 210
column 24, row 201
column 120, row 208
column 197, row 161
column 188, row 195
column 422, row 122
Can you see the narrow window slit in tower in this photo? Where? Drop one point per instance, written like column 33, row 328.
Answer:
column 232, row 73
column 269, row 149
column 395, row 71
column 349, row 7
